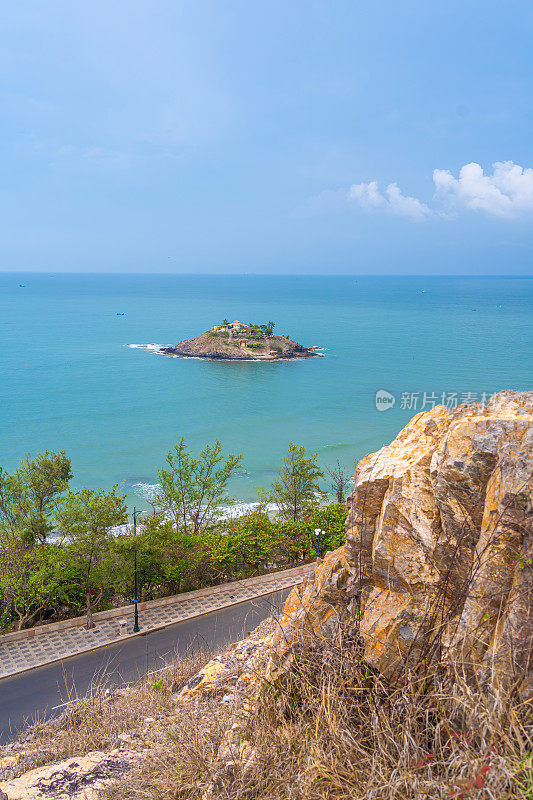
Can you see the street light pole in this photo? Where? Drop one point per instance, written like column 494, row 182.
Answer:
column 136, row 628
column 319, row 534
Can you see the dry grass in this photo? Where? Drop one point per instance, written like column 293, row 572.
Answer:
column 333, row 729
column 180, row 765
column 107, row 717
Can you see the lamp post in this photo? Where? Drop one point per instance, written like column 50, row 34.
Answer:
column 136, row 611
column 319, row 533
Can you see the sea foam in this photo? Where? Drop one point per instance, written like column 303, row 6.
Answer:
column 156, row 348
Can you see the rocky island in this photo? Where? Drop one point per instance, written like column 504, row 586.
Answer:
column 237, row 341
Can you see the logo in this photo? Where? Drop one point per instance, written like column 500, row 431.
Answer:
column 384, row 400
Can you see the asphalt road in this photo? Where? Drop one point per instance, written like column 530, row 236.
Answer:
column 36, row 695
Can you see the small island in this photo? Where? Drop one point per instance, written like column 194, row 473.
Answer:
column 237, row 341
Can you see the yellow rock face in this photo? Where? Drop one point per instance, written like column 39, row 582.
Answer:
column 438, row 558
column 310, row 610
column 438, row 561
column 439, row 546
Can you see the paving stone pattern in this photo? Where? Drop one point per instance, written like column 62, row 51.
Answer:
column 19, row 656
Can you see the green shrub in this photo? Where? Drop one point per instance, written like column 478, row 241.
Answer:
column 247, row 546
column 331, row 519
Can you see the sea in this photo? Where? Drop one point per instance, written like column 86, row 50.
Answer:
column 80, row 369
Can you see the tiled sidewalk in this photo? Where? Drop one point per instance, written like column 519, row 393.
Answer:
column 19, row 656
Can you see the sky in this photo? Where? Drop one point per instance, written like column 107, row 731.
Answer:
column 267, row 136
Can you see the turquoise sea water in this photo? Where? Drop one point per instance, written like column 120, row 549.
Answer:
column 69, row 381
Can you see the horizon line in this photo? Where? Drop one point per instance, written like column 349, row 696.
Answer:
column 276, row 274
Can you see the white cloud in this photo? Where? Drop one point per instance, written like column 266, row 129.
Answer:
column 392, row 200
column 506, row 193
column 367, row 195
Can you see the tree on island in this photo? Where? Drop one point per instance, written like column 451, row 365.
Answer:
column 86, row 517
column 194, row 489
column 296, row 492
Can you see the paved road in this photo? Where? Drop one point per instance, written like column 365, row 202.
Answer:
column 34, row 694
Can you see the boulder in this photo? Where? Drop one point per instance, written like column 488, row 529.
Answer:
column 77, row 778
column 438, row 561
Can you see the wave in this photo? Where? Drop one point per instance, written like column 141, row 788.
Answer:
column 227, row 513
column 156, row 348
column 146, row 490
column 230, row 512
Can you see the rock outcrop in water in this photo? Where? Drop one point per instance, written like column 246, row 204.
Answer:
column 226, row 347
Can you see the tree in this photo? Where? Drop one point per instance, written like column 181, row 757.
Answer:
column 45, row 478
column 297, row 490
column 247, row 546
column 14, row 506
column 194, row 489
column 29, row 496
column 29, row 580
column 339, row 482
column 183, row 560
column 86, row 517
column 270, row 327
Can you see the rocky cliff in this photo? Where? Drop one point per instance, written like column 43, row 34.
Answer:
column 437, row 570
column 438, row 560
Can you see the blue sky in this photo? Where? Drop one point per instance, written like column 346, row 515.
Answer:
column 266, row 136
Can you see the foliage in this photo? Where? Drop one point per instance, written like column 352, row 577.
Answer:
column 28, row 569
column 182, row 560
column 185, row 545
column 296, row 492
column 46, row 477
column 86, row 516
column 247, row 545
column 29, row 496
column 194, row 489
column 331, row 520
column 29, row 581
column 14, row 507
